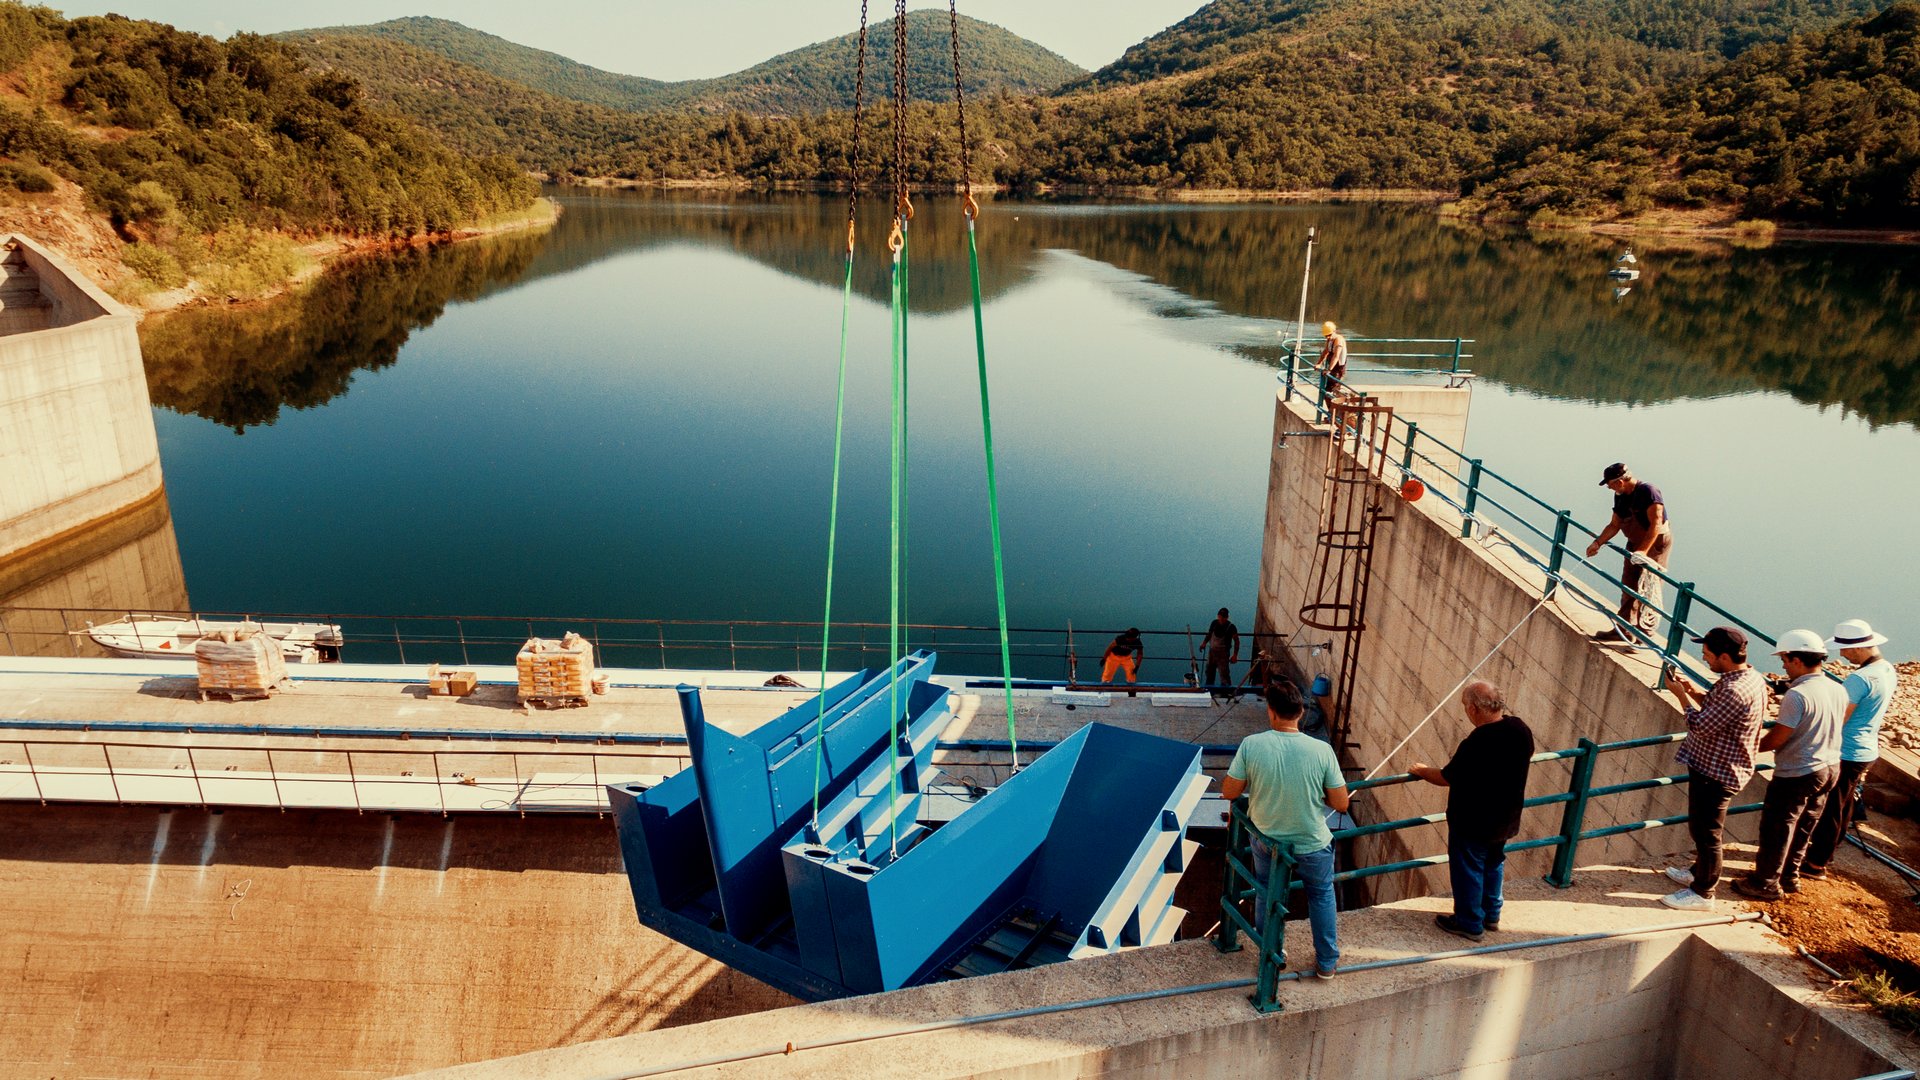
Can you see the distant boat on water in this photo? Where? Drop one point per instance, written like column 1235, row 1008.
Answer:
column 142, row 636
column 1625, row 268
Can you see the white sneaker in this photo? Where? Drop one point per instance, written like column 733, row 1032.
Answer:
column 1680, row 874
column 1688, row 900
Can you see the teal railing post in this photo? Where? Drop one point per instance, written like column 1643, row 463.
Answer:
column 1239, row 854
column 1682, row 607
column 1473, row 497
column 1271, row 900
column 1559, row 553
column 1456, row 356
column 1413, row 433
column 1574, row 817
column 1293, row 362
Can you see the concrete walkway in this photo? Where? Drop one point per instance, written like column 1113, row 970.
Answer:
column 1720, row 1001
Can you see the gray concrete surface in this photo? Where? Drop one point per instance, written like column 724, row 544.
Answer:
column 77, row 441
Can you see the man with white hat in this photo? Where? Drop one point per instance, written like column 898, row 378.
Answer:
column 1806, row 764
column 1869, row 692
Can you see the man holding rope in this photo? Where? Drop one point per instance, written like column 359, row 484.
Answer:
column 1486, row 782
column 1723, row 736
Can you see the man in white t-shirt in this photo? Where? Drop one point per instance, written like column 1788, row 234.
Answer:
column 1806, row 764
column 1869, row 692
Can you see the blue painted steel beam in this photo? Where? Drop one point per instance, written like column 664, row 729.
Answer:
column 1084, row 845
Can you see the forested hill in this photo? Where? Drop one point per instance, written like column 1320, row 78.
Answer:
column 812, row 79
column 211, row 155
column 1228, row 29
column 1823, row 127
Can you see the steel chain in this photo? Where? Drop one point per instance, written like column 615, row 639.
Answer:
column 859, row 100
column 960, row 108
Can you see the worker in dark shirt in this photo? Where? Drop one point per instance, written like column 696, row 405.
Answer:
column 1223, row 650
column 1486, row 782
column 1124, row 654
column 1640, row 518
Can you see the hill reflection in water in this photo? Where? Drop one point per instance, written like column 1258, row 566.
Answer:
column 1828, row 324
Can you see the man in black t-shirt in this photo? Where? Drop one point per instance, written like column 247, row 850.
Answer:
column 1640, row 518
column 1223, row 650
column 1486, row 782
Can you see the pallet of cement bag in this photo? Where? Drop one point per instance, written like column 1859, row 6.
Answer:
column 555, row 673
column 239, row 664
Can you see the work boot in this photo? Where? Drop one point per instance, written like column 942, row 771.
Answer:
column 1452, row 926
column 1758, row 890
column 1813, row 873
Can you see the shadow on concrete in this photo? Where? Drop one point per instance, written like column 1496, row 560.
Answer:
column 245, row 837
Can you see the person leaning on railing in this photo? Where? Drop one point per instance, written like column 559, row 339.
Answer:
column 1640, row 516
column 1486, row 786
column 1869, row 693
column 1290, row 780
column 1723, row 737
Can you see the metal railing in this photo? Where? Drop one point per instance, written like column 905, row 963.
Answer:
column 439, row 781
column 1051, row 654
column 1539, row 533
column 1272, row 895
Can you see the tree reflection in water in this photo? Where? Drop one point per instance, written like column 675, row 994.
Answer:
column 1826, row 323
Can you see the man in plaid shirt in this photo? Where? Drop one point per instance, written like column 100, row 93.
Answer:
column 1723, row 736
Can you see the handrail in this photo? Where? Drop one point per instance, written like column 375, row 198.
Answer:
column 773, row 644
column 1272, row 894
column 1551, row 539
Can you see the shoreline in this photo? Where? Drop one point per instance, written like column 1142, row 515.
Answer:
column 1746, row 233
column 329, row 250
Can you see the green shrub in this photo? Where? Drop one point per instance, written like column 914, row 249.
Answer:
column 154, row 265
column 21, row 176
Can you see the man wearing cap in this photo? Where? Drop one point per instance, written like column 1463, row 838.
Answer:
column 1640, row 516
column 1869, row 692
column 1333, row 355
column 1723, row 736
column 1223, row 650
column 1806, row 763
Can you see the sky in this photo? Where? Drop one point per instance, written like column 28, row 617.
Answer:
column 687, row 39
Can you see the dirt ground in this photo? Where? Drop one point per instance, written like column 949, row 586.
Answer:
column 1864, row 917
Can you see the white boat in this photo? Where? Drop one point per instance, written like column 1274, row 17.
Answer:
column 165, row 637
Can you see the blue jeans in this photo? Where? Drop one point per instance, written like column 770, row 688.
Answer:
column 1315, row 870
column 1477, row 870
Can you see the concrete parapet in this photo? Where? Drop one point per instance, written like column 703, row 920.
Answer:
column 77, row 442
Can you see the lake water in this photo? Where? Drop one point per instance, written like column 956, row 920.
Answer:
column 631, row 415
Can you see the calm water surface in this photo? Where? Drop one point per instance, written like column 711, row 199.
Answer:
column 631, row 416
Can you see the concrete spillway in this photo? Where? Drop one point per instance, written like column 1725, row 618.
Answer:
column 77, row 443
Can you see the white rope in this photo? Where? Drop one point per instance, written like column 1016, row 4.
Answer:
column 1456, row 686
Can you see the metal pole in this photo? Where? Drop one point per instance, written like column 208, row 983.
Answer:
column 1413, row 433
column 1677, row 633
column 1228, row 937
column 33, row 772
column 194, row 767
column 1559, row 553
column 1300, row 327
column 1473, row 497
column 662, row 628
column 1456, row 356
column 1574, row 817
column 439, row 786
column 733, row 650
column 353, row 782
column 106, row 752
column 397, row 643
column 274, row 775
column 460, row 629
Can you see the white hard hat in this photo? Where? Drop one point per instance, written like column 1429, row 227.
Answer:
column 1856, row 634
column 1800, row 641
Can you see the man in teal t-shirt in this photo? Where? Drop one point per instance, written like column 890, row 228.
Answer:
column 1869, row 692
column 1291, row 780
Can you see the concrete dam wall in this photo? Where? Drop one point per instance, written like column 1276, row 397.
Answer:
column 1438, row 604
column 77, row 443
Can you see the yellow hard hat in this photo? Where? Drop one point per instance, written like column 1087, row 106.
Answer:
column 1327, row 329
